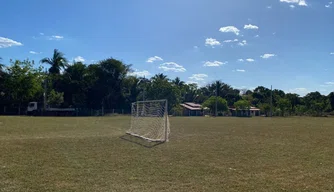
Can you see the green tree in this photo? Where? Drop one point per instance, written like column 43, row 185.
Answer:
column 316, row 103
column 248, row 97
column 177, row 81
column 265, row 108
column 142, row 86
column 261, row 95
column 161, row 88
column 160, row 76
column 242, row 105
column 191, row 94
column 176, row 110
column 3, row 91
column 223, row 90
column 24, row 82
column 301, row 109
column 294, row 101
column 284, row 105
column 211, row 104
column 1, row 65
column 74, row 85
column 55, row 99
column 105, row 81
column 331, row 100
column 131, row 89
column 57, row 62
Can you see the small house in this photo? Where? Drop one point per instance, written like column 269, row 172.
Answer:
column 192, row 109
column 252, row 111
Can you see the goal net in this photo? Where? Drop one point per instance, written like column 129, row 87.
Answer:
column 149, row 120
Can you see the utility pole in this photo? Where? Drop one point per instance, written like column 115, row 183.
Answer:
column 271, row 101
column 144, row 89
column 44, row 94
column 144, row 81
column 216, row 98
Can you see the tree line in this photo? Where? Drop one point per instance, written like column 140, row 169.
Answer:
column 108, row 84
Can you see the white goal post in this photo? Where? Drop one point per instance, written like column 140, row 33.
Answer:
column 149, row 120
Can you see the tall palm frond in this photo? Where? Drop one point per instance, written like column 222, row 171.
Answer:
column 160, row 76
column 2, row 66
column 177, row 81
column 57, row 62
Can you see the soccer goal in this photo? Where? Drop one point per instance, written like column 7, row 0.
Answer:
column 149, row 120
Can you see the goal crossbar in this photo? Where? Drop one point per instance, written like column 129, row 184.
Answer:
column 150, row 101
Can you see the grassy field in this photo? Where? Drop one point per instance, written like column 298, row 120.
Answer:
column 204, row 154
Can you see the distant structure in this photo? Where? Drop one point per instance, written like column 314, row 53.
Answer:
column 192, row 109
column 253, row 111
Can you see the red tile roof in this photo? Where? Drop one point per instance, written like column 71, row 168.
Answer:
column 192, row 106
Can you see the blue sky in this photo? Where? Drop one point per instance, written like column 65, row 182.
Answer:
column 284, row 43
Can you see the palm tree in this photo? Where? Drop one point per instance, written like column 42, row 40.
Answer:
column 57, row 62
column 177, row 81
column 2, row 66
column 160, row 76
column 142, row 86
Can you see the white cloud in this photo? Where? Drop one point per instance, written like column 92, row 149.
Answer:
column 329, row 4
column 240, row 70
column 41, row 33
column 56, row 37
column 302, row 3
column 243, row 43
column 214, row 63
column 211, row 42
column 250, row 26
column 198, row 77
column 5, row 42
column 230, row 29
column 269, row 7
column 191, row 82
column 195, row 47
column 299, row 91
column 79, row 59
column 155, row 58
column 34, row 52
column 230, row 41
column 256, row 36
column 267, row 55
column 171, row 66
column 329, row 83
column 138, row 73
column 332, row 53
column 292, row 6
column 298, row 2
column 250, row 60
column 240, row 60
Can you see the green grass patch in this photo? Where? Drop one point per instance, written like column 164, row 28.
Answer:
column 203, row 154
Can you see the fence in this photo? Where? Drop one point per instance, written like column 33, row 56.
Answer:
column 12, row 111
column 7, row 110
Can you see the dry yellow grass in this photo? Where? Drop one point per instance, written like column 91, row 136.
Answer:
column 204, row 154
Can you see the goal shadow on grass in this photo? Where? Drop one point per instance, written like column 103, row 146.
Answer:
column 141, row 141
